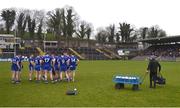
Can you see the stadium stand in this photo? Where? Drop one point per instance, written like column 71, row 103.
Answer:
column 28, row 51
column 102, row 52
column 165, row 48
column 80, row 52
column 76, row 53
column 8, row 53
column 111, row 52
column 91, row 53
column 40, row 51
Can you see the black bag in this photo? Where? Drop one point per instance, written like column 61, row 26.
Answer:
column 71, row 92
column 160, row 80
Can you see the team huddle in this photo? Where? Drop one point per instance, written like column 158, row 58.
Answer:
column 53, row 65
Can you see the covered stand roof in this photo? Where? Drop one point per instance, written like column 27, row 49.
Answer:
column 168, row 39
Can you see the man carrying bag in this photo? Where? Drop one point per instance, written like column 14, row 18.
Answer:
column 153, row 68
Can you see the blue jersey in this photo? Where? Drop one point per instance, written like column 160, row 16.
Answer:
column 56, row 60
column 15, row 61
column 37, row 61
column 20, row 63
column 68, row 59
column 20, row 60
column 31, row 59
column 63, row 61
column 73, row 61
column 47, row 60
column 41, row 57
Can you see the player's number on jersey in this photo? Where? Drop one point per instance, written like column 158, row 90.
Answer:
column 73, row 60
column 46, row 60
column 14, row 60
column 63, row 61
column 36, row 61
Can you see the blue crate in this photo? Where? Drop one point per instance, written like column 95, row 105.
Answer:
column 126, row 79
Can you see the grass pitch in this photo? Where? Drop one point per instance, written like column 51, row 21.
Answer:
column 94, row 85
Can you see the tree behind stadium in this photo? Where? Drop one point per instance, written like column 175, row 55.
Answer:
column 125, row 31
column 8, row 15
column 111, row 33
column 31, row 26
column 21, row 25
column 84, row 30
column 155, row 32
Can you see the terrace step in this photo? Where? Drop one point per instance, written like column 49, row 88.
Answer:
column 76, row 53
column 40, row 51
column 112, row 53
column 100, row 51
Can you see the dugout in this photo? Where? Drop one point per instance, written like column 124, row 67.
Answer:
column 9, row 41
column 50, row 44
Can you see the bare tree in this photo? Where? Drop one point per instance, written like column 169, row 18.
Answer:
column 84, row 30
column 21, row 25
column 101, row 35
column 155, row 32
column 31, row 26
column 111, row 33
column 143, row 32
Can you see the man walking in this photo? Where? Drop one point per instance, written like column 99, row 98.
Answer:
column 153, row 68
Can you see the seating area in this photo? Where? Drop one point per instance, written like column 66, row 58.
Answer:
column 6, row 53
column 9, row 53
column 81, row 52
column 170, row 50
column 167, row 52
column 113, row 52
column 27, row 51
column 90, row 53
column 56, row 51
column 87, row 53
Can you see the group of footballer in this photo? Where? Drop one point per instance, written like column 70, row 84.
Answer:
column 53, row 65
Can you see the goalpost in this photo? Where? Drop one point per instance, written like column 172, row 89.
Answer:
column 14, row 43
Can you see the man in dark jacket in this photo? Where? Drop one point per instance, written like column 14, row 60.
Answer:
column 153, row 68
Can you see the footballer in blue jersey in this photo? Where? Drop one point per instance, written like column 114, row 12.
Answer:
column 72, row 66
column 31, row 67
column 37, row 62
column 15, row 69
column 55, row 66
column 20, row 65
column 20, row 62
column 31, row 63
column 64, row 62
column 47, row 63
column 47, row 66
column 42, row 71
column 68, row 59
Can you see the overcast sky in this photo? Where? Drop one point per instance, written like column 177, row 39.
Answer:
column 165, row 13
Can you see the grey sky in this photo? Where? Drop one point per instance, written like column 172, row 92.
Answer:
column 100, row 13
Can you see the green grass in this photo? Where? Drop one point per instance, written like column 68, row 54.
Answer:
column 95, row 87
